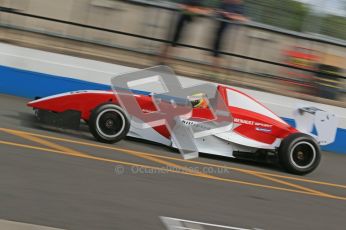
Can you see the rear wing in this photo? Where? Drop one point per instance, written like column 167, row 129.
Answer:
column 320, row 124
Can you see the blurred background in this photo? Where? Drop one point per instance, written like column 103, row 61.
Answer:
column 288, row 47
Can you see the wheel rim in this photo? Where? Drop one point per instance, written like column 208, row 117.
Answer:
column 303, row 155
column 110, row 123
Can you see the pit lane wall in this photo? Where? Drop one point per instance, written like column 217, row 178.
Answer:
column 32, row 73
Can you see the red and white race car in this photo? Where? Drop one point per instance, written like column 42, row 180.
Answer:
column 255, row 129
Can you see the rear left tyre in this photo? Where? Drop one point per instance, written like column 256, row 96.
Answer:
column 299, row 154
column 109, row 123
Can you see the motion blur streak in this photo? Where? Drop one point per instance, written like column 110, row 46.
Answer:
column 68, row 151
column 176, row 159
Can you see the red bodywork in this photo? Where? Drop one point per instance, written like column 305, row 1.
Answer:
column 249, row 124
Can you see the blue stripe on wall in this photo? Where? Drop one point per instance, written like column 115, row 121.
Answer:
column 30, row 84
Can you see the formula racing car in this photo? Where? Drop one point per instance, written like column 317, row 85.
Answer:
column 253, row 129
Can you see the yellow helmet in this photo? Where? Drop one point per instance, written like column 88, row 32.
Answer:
column 199, row 101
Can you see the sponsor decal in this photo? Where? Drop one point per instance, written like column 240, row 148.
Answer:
column 265, row 130
column 255, row 123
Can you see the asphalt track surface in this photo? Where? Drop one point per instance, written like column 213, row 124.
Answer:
column 65, row 179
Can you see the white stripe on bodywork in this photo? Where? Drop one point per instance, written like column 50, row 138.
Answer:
column 147, row 133
column 241, row 140
column 242, row 101
column 74, row 92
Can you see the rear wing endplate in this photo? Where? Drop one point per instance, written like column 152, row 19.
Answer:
column 320, row 124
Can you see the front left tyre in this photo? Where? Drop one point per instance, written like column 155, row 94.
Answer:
column 109, row 123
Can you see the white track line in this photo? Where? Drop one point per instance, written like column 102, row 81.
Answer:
column 12, row 225
column 175, row 223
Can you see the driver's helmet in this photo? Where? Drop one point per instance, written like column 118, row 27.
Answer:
column 198, row 101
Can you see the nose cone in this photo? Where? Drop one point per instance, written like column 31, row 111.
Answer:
column 49, row 103
column 38, row 103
